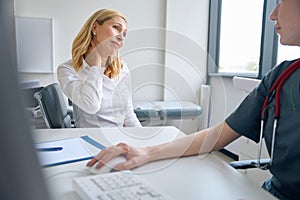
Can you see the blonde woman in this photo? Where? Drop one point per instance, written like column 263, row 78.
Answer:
column 96, row 80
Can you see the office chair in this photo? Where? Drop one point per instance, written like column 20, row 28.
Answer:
column 32, row 108
column 53, row 106
column 27, row 95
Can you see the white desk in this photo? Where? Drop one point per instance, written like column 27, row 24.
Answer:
column 184, row 178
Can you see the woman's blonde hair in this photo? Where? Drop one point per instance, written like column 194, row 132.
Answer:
column 83, row 40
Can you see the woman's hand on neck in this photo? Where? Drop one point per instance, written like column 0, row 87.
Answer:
column 94, row 56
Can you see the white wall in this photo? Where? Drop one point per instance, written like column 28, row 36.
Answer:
column 186, row 49
column 165, row 48
column 224, row 99
column 145, row 46
column 70, row 15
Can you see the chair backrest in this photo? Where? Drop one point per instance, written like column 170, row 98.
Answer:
column 27, row 94
column 53, row 106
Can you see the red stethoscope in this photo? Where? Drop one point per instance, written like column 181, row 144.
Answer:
column 274, row 90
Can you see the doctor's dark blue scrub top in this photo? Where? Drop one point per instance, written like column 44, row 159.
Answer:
column 245, row 120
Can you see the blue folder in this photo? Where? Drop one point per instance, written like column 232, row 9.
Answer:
column 70, row 150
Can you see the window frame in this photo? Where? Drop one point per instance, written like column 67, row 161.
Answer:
column 268, row 56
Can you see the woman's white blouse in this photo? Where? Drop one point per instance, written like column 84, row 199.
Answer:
column 98, row 101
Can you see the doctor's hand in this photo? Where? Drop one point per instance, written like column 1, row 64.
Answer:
column 135, row 156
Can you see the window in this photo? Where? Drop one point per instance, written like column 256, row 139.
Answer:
column 242, row 40
column 240, row 36
column 287, row 53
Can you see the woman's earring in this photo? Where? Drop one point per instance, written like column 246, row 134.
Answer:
column 94, row 33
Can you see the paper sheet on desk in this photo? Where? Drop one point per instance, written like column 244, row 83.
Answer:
column 74, row 149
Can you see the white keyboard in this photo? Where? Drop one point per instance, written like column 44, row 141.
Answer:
column 116, row 186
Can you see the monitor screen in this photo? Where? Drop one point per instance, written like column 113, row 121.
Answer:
column 20, row 173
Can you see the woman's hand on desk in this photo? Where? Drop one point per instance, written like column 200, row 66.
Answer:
column 135, row 156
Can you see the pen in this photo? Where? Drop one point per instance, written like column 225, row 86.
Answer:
column 50, row 149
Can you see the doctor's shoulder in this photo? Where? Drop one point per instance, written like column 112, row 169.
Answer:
column 276, row 71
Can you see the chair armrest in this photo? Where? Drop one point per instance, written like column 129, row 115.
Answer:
column 248, row 164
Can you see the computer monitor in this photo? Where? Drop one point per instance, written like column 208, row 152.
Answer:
column 20, row 173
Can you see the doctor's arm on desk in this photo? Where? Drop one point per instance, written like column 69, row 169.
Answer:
column 201, row 142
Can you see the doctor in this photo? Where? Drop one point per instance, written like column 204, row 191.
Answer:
column 246, row 120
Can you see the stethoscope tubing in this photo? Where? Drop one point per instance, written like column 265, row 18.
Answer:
column 275, row 88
